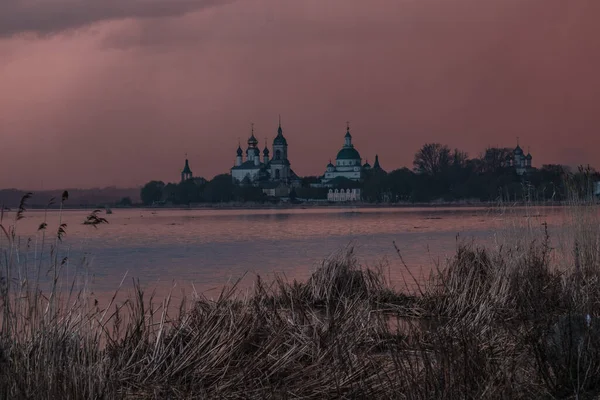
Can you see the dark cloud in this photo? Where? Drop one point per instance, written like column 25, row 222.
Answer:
column 124, row 105
column 52, row 16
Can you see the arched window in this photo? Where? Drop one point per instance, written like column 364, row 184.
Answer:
column 277, row 174
column 278, row 154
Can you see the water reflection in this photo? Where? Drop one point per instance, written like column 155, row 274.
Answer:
column 209, row 247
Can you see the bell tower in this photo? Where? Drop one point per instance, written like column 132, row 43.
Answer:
column 280, row 165
column 187, row 172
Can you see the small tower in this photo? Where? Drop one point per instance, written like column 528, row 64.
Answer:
column 239, row 158
column 366, row 166
column 330, row 167
column 519, row 160
column 187, row 172
column 252, row 150
column 348, row 137
column 518, row 157
column 266, row 153
column 257, row 157
column 280, row 144
column 528, row 158
column 279, row 164
column 376, row 166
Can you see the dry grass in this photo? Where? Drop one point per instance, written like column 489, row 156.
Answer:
column 515, row 320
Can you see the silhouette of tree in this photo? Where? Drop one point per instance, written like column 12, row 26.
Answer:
column 375, row 186
column 219, row 189
column 249, row 193
column 152, row 192
column 401, row 183
column 125, row 202
column 494, row 159
column 432, row 159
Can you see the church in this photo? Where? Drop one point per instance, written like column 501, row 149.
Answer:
column 519, row 161
column 265, row 171
column 187, row 175
column 348, row 164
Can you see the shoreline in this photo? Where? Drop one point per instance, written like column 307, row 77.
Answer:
column 306, row 205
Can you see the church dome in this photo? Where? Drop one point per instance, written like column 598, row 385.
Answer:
column 518, row 150
column 279, row 139
column 252, row 141
column 240, row 151
column 529, row 157
column 266, row 151
column 348, row 153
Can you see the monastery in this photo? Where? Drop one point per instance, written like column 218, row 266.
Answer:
column 256, row 171
column 348, row 164
column 518, row 160
column 275, row 176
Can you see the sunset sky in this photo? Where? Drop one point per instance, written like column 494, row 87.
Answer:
column 115, row 92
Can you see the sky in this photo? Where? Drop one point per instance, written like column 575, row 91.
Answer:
column 116, row 92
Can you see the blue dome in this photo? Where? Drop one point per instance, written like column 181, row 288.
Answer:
column 518, row 150
column 348, row 153
column 252, row 141
column 240, row 151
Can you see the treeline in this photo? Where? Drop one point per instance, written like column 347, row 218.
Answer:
column 89, row 198
column 220, row 189
column 440, row 173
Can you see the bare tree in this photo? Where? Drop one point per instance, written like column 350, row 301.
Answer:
column 495, row 158
column 432, row 159
column 459, row 158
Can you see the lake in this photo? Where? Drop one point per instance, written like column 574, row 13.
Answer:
column 207, row 248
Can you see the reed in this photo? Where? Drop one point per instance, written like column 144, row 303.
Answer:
column 516, row 319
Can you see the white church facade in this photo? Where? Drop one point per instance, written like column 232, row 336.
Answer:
column 348, row 164
column 341, row 195
column 256, row 170
column 519, row 161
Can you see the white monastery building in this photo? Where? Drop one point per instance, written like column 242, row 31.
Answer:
column 348, row 164
column 520, row 161
column 341, row 195
column 254, row 170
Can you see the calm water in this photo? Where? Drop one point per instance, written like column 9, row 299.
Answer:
column 207, row 248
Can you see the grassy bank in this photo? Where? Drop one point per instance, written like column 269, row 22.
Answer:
column 518, row 319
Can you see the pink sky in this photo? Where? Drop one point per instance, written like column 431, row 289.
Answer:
column 115, row 92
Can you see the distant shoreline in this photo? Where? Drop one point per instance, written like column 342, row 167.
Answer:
column 294, row 206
